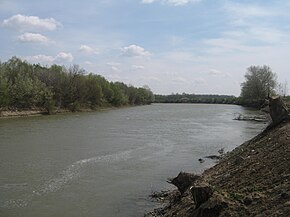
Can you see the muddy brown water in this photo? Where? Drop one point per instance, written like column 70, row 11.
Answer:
column 107, row 163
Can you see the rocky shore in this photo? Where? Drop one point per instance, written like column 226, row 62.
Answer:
column 252, row 180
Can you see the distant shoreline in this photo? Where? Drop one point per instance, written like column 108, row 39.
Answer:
column 42, row 112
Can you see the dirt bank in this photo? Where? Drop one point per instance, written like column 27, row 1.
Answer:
column 37, row 112
column 252, row 180
column 10, row 113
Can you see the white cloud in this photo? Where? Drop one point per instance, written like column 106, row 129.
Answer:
column 180, row 56
column 179, row 80
column 64, row 57
column 60, row 58
column 113, row 64
column 199, row 81
column 214, row 72
column 247, row 10
column 89, row 50
column 218, row 73
column 269, row 35
column 170, row 2
column 88, row 63
column 32, row 37
column 241, row 40
column 148, row 1
column 42, row 59
column 225, row 45
column 115, row 68
column 135, row 51
column 22, row 22
column 137, row 67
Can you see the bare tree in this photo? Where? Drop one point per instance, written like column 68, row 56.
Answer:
column 282, row 89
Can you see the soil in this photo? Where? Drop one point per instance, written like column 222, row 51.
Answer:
column 10, row 113
column 252, row 180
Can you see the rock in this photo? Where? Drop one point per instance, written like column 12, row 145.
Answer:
column 160, row 196
column 285, row 196
column 238, row 160
column 221, row 151
column 278, row 111
column 248, row 200
column 201, row 160
column 183, row 181
column 211, row 208
column 201, row 193
column 213, row 157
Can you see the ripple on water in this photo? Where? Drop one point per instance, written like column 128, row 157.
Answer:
column 55, row 184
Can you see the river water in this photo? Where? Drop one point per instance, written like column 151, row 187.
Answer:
column 105, row 164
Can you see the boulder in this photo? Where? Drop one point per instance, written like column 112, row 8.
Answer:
column 201, row 160
column 183, row 181
column 201, row 192
column 211, row 208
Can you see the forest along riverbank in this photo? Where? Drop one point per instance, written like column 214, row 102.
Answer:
column 252, row 180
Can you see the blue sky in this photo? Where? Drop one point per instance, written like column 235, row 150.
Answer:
column 193, row 46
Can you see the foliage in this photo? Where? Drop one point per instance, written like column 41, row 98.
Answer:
column 260, row 84
column 27, row 86
column 194, row 98
column 4, row 99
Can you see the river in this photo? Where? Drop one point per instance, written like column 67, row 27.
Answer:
column 105, row 164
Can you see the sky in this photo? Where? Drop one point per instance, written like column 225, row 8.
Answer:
column 173, row 46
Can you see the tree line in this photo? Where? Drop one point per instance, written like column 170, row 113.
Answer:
column 29, row 86
column 196, row 98
column 260, row 84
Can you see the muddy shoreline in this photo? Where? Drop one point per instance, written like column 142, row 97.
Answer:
column 41, row 112
column 251, row 180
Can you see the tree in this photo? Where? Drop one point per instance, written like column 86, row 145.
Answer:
column 27, row 86
column 94, row 93
column 29, row 93
column 4, row 98
column 282, row 89
column 260, row 84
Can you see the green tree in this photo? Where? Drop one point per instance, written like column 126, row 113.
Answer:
column 29, row 93
column 4, row 97
column 15, row 68
column 27, row 86
column 119, row 97
column 94, row 93
column 260, row 84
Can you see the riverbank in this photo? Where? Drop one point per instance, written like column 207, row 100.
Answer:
column 252, row 180
column 40, row 112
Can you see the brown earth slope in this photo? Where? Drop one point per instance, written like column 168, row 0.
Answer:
column 252, row 180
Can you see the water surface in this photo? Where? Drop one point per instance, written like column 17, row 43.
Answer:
column 107, row 163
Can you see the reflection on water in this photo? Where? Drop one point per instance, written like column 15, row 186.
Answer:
column 107, row 163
